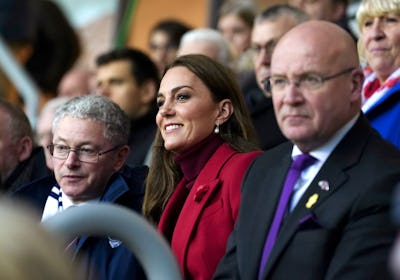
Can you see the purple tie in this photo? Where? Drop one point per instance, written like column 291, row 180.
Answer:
column 300, row 163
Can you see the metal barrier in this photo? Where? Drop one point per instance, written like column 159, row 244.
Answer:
column 149, row 247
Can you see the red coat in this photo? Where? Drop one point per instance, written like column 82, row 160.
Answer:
column 209, row 213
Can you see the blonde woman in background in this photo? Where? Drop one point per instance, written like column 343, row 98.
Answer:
column 379, row 23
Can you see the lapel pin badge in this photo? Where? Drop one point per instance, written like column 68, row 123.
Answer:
column 324, row 185
column 312, row 200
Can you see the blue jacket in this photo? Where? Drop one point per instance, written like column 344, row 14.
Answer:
column 384, row 116
column 101, row 261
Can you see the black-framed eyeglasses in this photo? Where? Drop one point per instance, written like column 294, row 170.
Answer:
column 88, row 155
column 268, row 47
column 307, row 81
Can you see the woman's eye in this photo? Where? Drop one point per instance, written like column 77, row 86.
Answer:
column 160, row 103
column 367, row 23
column 391, row 19
column 182, row 97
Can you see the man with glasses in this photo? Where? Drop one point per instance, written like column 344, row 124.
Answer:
column 269, row 26
column 308, row 81
column 316, row 207
column 89, row 149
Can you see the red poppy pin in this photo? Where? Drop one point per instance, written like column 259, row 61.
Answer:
column 200, row 192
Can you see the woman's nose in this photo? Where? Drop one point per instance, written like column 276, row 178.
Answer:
column 376, row 30
column 166, row 109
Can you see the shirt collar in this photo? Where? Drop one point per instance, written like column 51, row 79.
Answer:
column 322, row 153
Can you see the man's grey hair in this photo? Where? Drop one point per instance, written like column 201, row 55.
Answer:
column 214, row 37
column 99, row 109
column 279, row 10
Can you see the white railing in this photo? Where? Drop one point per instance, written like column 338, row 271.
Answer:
column 21, row 80
column 106, row 219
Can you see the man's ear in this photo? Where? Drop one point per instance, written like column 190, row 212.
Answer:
column 122, row 155
column 225, row 111
column 24, row 148
column 357, row 80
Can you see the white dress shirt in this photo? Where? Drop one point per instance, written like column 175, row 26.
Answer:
column 321, row 154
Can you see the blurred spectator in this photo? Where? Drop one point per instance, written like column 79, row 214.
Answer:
column 55, row 49
column 331, row 10
column 44, row 135
column 208, row 42
column 21, row 161
column 18, row 21
column 212, row 43
column 42, row 40
column 28, row 250
column 235, row 22
column 164, row 41
column 270, row 25
column 76, row 82
column 130, row 79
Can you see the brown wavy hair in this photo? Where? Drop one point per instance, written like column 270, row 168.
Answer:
column 238, row 132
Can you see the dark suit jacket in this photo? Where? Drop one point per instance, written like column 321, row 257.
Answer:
column 27, row 171
column 346, row 234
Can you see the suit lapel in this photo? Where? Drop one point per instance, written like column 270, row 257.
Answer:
column 344, row 156
column 261, row 193
column 301, row 211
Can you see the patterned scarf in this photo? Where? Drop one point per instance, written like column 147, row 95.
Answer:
column 373, row 91
column 56, row 202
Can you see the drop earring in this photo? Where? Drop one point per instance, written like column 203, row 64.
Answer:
column 216, row 129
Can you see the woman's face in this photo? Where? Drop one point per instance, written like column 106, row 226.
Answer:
column 162, row 52
column 187, row 113
column 236, row 32
column 380, row 38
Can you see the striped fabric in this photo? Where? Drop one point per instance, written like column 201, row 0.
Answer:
column 54, row 203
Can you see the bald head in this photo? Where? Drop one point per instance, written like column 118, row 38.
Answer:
column 322, row 40
column 316, row 83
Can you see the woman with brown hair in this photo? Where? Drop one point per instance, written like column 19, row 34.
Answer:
column 204, row 144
